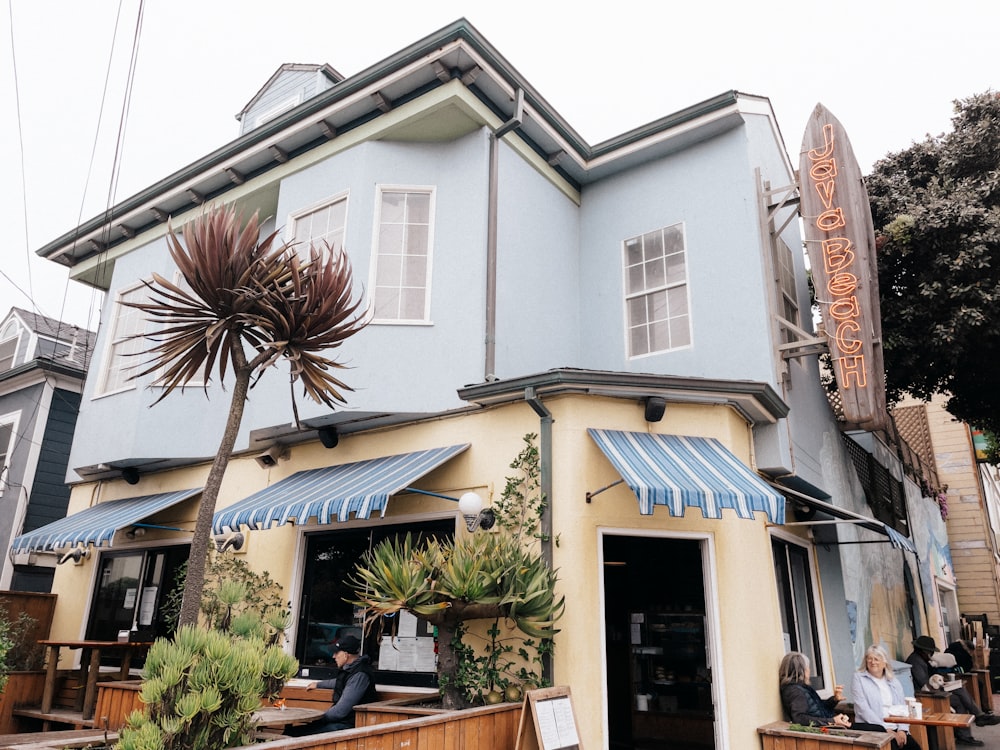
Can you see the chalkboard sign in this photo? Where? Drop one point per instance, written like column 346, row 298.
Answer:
column 548, row 721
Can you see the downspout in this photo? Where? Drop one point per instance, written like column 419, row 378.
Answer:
column 545, row 461
column 490, row 365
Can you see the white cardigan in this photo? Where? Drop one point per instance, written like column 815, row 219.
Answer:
column 867, row 699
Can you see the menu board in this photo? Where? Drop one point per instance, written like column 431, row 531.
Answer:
column 548, row 721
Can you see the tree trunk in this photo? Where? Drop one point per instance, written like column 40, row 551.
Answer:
column 447, row 622
column 198, row 559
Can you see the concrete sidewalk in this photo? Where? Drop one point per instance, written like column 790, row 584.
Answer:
column 989, row 735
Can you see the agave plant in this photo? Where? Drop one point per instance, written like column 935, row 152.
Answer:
column 245, row 304
column 493, row 576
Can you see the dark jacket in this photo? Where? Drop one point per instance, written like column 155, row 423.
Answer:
column 920, row 670
column 803, row 705
column 353, row 685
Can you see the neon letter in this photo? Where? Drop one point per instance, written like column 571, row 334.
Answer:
column 830, row 220
column 852, row 368
column 823, row 170
column 848, row 345
column 845, row 308
column 826, row 190
column 841, row 284
column 838, row 254
column 816, row 154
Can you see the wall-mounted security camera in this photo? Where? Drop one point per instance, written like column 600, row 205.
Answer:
column 271, row 456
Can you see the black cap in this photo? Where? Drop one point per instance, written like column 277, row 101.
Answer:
column 348, row 643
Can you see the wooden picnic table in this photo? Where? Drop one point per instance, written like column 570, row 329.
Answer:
column 90, row 667
column 937, row 723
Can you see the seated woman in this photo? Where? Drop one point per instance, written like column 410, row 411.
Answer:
column 802, row 704
column 874, row 690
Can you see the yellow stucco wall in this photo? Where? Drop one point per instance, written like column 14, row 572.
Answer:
column 744, row 622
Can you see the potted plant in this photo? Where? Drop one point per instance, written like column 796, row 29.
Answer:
column 500, row 577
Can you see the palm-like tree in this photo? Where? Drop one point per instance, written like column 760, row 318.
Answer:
column 248, row 303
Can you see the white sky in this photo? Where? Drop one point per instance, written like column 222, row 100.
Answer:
column 888, row 70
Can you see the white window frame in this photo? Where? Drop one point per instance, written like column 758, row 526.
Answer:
column 668, row 287
column 297, row 218
column 117, row 358
column 11, row 419
column 161, row 371
column 286, row 106
column 11, row 333
column 816, row 605
column 377, row 256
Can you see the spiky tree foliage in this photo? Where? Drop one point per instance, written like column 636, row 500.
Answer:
column 248, row 304
column 500, row 575
column 201, row 688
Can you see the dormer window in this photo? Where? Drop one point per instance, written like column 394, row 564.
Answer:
column 9, row 338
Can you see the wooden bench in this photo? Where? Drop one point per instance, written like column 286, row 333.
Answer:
column 61, row 739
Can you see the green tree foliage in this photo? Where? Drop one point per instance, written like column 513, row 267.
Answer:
column 234, row 592
column 936, row 210
column 498, row 576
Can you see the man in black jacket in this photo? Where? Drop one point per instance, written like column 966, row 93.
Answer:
column 353, row 685
column 924, row 649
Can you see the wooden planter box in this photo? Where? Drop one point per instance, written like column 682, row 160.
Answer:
column 777, row 736
column 479, row 728
column 23, row 688
column 115, row 701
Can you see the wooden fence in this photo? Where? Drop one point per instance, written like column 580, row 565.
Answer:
column 479, row 728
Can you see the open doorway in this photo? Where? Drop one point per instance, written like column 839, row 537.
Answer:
column 658, row 657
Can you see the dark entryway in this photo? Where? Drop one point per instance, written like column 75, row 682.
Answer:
column 659, row 671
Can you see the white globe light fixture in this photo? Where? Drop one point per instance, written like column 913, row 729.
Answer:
column 470, row 505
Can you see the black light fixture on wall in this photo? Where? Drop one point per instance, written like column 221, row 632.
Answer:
column 130, row 474
column 328, row 436
column 655, row 408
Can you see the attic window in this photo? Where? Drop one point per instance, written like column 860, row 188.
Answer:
column 8, row 345
column 285, row 106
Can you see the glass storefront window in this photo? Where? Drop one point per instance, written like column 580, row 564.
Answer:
column 326, row 614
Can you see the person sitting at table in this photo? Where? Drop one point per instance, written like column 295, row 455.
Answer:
column 961, row 701
column 962, row 651
column 874, row 690
column 353, row 685
column 802, row 704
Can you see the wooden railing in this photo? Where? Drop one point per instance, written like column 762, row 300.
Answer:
column 479, row 728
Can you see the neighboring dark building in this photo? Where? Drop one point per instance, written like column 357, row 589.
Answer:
column 43, row 363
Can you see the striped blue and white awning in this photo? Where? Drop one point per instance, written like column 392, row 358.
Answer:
column 333, row 492
column 680, row 472
column 97, row 524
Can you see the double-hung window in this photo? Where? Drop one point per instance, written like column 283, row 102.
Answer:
column 322, row 225
column 8, row 428
column 123, row 349
column 402, row 258
column 656, row 291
